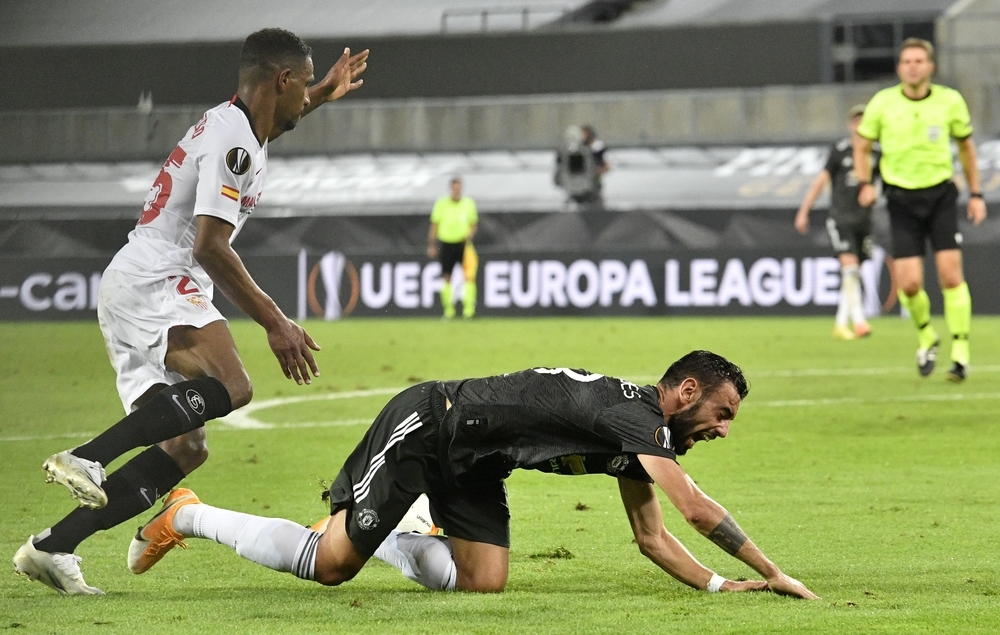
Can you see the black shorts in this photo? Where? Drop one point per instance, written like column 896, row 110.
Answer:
column 851, row 238
column 396, row 461
column 449, row 255
column 916, row 215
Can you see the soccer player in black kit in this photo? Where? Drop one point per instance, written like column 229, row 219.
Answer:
column 457, row 441
column 849, row 226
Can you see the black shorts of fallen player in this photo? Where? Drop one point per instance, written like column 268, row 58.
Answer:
column 396, row 461
column 918, row 215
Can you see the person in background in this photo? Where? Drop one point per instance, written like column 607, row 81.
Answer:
column 915, row 121
column 454, row 220
column 580, row 164
column 849, row 226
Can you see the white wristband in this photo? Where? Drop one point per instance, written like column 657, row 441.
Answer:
column 715, row 584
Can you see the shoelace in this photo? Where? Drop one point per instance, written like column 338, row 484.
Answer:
column 96, row 471
column 69, row 564
column 166, row 540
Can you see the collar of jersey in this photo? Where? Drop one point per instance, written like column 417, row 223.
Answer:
column 903, row 93
column 236, row 101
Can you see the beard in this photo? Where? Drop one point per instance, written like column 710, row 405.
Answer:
column 682, row 424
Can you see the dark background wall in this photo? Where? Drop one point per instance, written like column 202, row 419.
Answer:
column 537, row 62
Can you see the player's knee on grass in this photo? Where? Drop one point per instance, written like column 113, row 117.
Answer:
column 481, row 580
column 332, row 575
column 189, row 450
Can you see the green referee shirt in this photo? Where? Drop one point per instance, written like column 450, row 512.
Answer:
column 915, row 134
column 454, row 218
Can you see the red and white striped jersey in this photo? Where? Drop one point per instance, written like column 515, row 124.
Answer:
column 217, row 169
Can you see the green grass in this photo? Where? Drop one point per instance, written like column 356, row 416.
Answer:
column 876, row 488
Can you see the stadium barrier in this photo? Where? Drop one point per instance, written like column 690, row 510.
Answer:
column 584, row 282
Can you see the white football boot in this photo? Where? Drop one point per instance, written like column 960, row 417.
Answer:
column 82, row 477
column 60, row 571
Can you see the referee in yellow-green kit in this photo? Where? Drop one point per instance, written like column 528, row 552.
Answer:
column 914, row 122
column 454, row 220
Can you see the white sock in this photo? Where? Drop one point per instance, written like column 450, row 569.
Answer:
column 426, row 560
column 843, row 306
column 273, row 542
column 851, row 286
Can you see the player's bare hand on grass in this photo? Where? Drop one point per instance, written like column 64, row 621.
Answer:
column 291, row 345
column 786, row 585
column 743, row 586
column 976, row 210
column 340, row 78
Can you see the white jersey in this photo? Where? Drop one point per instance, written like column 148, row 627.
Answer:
column 217, row 169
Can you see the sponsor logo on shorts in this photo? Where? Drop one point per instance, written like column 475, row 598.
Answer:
column 617, row 464
column 199, row 302
column 238, row 161
column 196, row 401
column 367, row 519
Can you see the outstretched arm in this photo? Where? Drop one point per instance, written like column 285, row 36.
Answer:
column 716, row 524
column 290, row 344
column 657, row 544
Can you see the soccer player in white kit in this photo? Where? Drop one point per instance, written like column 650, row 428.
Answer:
column 172, row 350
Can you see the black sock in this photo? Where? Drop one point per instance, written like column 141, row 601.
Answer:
column 131, row 490
column 171, row 412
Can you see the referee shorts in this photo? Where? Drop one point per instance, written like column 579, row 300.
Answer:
column 916, row 215
column 449, row 255
column 396, row 461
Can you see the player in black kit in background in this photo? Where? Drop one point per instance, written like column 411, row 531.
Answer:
column 457, row 441
column 849, row 226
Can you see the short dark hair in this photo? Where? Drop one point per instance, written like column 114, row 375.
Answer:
column 709, row 369
column 267, row 50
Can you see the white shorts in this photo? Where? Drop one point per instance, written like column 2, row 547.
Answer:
column 135, row 315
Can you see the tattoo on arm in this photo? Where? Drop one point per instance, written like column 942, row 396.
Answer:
column 728, row 535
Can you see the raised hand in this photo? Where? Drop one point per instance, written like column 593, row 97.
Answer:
column 340, row 79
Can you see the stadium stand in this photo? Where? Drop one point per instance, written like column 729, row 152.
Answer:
column 696, row 168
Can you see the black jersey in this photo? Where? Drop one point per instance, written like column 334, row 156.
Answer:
column 844, row 207
column 528, row 419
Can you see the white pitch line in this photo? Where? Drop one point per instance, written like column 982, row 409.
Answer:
column 779, row 403
column 836, row 401
column 827, row 372
column 243, row 418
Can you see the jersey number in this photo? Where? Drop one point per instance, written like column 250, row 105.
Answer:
column 160, row 192
column 569, row 372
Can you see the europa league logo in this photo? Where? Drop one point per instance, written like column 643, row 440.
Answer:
column 331, row 268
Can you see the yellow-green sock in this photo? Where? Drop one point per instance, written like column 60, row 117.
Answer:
column 469, row 299
column 958, row 315
column 446, row 300
column 919, row 307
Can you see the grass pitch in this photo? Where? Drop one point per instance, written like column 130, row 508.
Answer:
column 875, row 487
